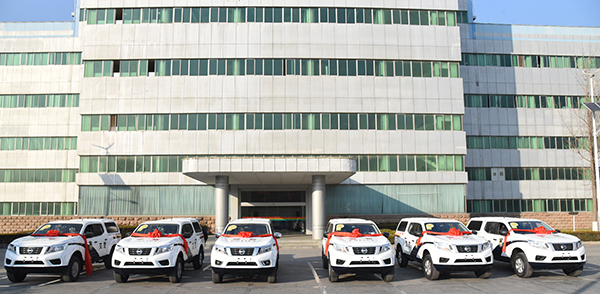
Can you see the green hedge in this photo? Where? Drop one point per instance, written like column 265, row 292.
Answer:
column 584, row 235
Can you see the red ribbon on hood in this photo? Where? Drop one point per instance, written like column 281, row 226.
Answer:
column 244, row 234
column 158, row 234
column 355, row 234
column 539, row 230
column 451, row 232
column 88, row 257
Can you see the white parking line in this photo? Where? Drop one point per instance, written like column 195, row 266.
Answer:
column 48, row 283
column 317, row 278
column 205, row 268
column 400, row 291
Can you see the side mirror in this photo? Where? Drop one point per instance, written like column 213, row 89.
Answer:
column 277, row 235
column 557, row 230
column 475, row 232
column 217, row 235
column 325, row 235
column 420, row 234
column 386, row 234
column 503, row 232
column 88, row 234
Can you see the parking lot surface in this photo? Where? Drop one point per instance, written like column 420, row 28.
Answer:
column 300, row 271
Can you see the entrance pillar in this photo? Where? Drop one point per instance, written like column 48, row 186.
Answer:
column 318, row 206
column 221, row 203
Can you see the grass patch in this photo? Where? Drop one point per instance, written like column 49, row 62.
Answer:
column 585, row 235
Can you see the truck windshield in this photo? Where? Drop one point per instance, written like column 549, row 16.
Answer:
column 529, row 225
column 365, row 229
column 166, row 229
column 62, row 228
column 256, row 229
column 445, row 227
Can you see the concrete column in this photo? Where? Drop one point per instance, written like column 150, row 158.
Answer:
column 221, row 203
column 318, row 206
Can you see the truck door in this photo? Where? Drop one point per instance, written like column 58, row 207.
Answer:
column 187, row 231
column 415, row 230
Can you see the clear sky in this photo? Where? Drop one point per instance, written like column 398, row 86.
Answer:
column 537, row 12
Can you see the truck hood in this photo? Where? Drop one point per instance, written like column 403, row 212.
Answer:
column 144, row 242
column 244, row 242
column 549, row 238
column 455, row 240
column 366, row 241
column 30, row 241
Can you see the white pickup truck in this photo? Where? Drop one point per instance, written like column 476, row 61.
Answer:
column 442, row 245
column 530, row 244
column 160, row 247
column 58, row 247
column 248, row 247
column 352, row 245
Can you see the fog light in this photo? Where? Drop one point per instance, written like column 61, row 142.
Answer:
column 443, row 260
column 266, row 262
column 488, row 259
column 539, row 257
column 339, row 261
column 387, row 261
column 218, row 262
column 164, row 262
column 117, row 262
column 8, row 261
column 55, row 261
column 583, row 257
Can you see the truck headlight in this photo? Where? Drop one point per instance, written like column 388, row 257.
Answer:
column 12, row 248
column 486, row 246
column 578, row 245
column 164, row 249
column 443, row 246
column 265, row 249
column 120, row 248
column 340, row 248
column 56, row 248
column 220, row 248
column 385, row 248
column 538, row 244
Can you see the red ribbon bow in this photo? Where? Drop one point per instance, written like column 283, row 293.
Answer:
column 88, row 257
column 539, row 230
column 451, row 232
column 158, row 234
column 244, row 234
column 355, row 234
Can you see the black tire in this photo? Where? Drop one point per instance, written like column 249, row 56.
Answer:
column 15, row 278
column 483, row 274
column 198, row 259
column 431, row 273
column 521, row 265
column 401, row 258
column 216, row 278
column 73, row 269
column 333, row 276
column 388, row 277
column 324, row 260
column 272, row 278
column 175, row 276
column 573, row 272
column 120, row 278
column 108, row 258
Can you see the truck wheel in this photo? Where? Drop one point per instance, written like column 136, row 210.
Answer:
column 108, row 258
column 73, row 269
column 401, row 258
column 388, row 277
column 197, row 261
column 272, row 278
column 216, row 278
column 15, row 278
column 483, row 274
column 175, row 276
column 431, row 273
column 324, row 260
column 521, row 265
column 573, row 272
column 120, row 278
column 333, row 276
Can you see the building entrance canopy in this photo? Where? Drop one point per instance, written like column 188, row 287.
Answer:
column 269, row 170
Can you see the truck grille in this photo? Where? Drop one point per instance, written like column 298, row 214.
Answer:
column 563, row 246
column 467, row 249
column 242, row 251
column 139, row 251
column 30, row 250
column 363, row 250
